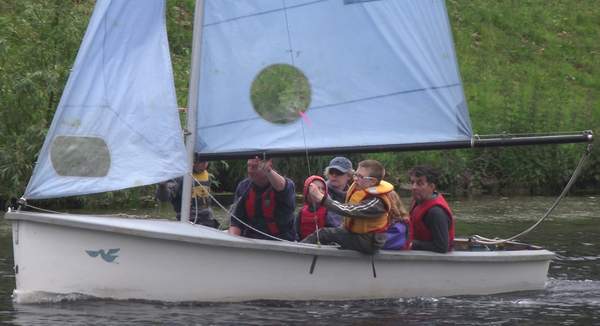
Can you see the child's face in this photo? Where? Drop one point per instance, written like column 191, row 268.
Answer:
column 321, row 186
column 363, row 179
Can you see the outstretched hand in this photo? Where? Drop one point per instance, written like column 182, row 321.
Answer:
column 265, row 165
column 315, row 193
column 261, row 165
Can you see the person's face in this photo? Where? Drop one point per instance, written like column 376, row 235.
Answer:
column 200, row 166
column 255, row 174
column 321, row 187
column 421, row 189
column 363, row 178
column 337, row 179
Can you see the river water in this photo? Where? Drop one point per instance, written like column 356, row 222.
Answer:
column 571, row 297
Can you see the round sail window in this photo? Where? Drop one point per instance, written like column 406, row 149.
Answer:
column 75, row 156
column 280, row 93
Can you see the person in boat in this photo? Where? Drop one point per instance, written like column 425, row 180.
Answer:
column 339, row 173
column 399, row 233
column 430, row 215
column 313, row 215
column 366, row 211
column 265, row 201
column 200, row 207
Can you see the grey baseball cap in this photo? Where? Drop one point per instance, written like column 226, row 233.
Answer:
column 341, row 164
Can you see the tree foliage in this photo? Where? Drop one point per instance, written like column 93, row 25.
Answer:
column 527, row 66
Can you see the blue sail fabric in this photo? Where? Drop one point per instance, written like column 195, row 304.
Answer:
column 117, row 124
column 381, row 72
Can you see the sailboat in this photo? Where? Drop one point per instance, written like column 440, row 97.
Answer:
column 389, row 66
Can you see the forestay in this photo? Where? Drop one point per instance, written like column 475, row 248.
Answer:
column 116, row 125
column 379, row 72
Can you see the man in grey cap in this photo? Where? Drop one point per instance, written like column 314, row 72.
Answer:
column 339, row 174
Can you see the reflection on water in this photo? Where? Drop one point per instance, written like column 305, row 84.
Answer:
column 571, row 297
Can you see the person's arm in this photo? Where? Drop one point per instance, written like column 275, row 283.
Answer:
column 297, row 225
column 286, row 197
column 437, row 221
column 277, row 181
column 235, row 227
column 368, row 208
column 286, row 204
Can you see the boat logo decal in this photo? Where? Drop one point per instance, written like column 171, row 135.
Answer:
column 108, row 256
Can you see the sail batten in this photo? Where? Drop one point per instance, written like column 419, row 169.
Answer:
column 379, row 72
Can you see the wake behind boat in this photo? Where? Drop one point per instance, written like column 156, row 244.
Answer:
column 389, row 65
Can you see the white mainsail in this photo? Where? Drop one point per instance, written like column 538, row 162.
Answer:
column 116, row 125
column 380, row 72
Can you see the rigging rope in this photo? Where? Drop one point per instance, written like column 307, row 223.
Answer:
column 24, row 203
column 231, row 214
column 487, row 241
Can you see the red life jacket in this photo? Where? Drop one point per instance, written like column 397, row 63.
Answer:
column 309, row 220
column 417, row 212
column 267, row 207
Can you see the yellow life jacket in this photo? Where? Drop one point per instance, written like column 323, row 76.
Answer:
column 369, row 225
column 201, row 188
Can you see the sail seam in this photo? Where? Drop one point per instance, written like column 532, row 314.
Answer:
column 264, row 13
column 287, row 28
column 342, row 103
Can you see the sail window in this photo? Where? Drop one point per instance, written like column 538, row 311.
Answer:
column 280, row 93
column 80, row 156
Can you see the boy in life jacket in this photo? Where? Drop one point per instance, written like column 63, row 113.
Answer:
column 366, row 211
column 399, row 233
column 313, row 215
column 430, row 215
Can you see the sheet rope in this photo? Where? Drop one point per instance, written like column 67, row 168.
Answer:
column 231, row 214
column 487, row 241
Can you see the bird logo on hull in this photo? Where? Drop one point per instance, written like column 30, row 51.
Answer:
column 108, row 256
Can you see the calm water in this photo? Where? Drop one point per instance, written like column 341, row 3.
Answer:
column 571, row 297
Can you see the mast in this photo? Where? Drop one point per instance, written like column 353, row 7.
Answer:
column 190, row 132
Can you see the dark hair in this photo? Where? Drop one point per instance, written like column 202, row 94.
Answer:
column 431, row 175
column 198, row 158
column 376, row 169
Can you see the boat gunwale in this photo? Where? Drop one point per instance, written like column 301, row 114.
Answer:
column 79, row 221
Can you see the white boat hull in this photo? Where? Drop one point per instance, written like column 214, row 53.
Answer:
column 173, row 261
